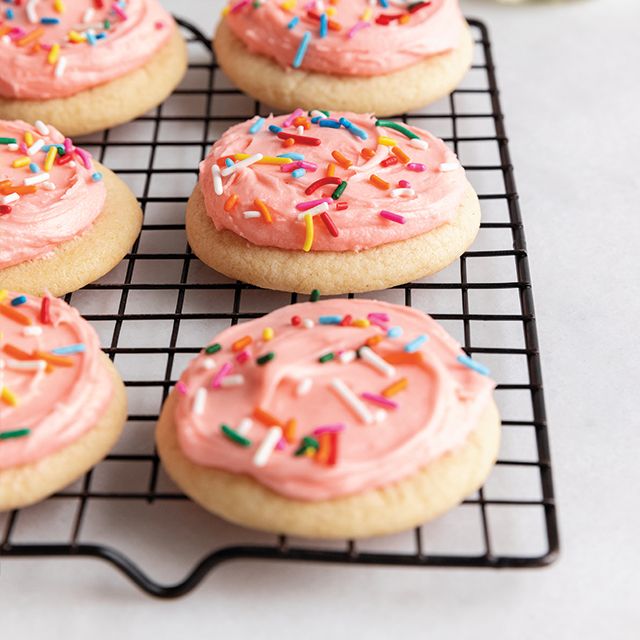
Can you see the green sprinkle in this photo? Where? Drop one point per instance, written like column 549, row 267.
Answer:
column 234, row 436
column 326, row 357
column 18, row 433
column 214, row 348
column 339, row 190
column 326, row 113
column 307, row 442
column 315, row 295
column 8, row 141
column 398, row 127
column 107, row 24
column 267, row 357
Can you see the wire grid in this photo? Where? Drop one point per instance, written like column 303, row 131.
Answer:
column 157, row 308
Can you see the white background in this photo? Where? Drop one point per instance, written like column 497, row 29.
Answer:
column 568, row 74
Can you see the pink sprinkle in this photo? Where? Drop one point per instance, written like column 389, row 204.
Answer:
column 85, row 156
column 309, row 166
column 159, row 25
column 394, row 217
column 416, row 166
column 289, row 167
column 222, row 372
column 328, row 428
column 16, row 33
column 380, row 316
column 181, row 388
column 282, row 444
column 304, row 206
column 357, row 27
column 23, row 147
column 380, row 323
column 292, row 116
column 68, row 145
column 381, row 400
column 404, row 184
column 243, row 356
column 118, row 10
column 239, row 5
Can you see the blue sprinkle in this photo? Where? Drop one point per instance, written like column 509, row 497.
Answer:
column 101, row 36
column 472, row 364
column 330, row 319
column 347, row 124
column 72, row 348
column 292, row 156
column 293, row 23
column 298, row 173
column 316, row 119
column 327, row 122
column 16, row 302
column 229, row 162
column 9, row 14
column 274, row 128
column 91, row 38
column 352, row 129
column 384, row 4
column 394, row 332
column 302, row 50
column 49, row 20
column 34, row 168
column 96, row 177
column 416, row 343
column 324, row 25
column 256, row 126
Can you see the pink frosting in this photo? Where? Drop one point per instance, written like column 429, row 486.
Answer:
column 373, row 50
column 434, row 202
column 57, row 405
column 439, row 408
column 61, row 208
column 128, row 44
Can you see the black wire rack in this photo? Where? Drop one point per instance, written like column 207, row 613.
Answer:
column 161, row 304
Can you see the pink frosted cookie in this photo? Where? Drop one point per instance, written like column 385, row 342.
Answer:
column 341, row 418
column 62, row 404
column 65, row 220
column 353, row 56
column 340, row 201
column 85, row 65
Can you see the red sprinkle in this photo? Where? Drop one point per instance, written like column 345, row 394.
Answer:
column 4, row 209
column 321, row 183
column 312, row 142
column 346, row 321
column 45, row 310
column 391, row 160
column 341, row 206
column 296, row 320
column 328, row 222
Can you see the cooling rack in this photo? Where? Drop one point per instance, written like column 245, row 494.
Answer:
column 157, row 308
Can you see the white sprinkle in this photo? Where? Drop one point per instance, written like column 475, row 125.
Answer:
column 347, row 356
column 199, row 401
column 208, row 363
column 61, row 65
column 27, row 365
column 32, row 15
column 304, row 386
column 37, row 179
column 315, row 114
column 13, row 146
column 245, row 426
column 42, row 128
column 352, row 400
column 251, row 214
column 300, row 130
column 307, row 323
column 6, row 40
column 32, row 331
column 381, row 415
column 314, row 211
column 403, row 193
column 73, row 164
column 12, row 197
column 49, row 186
column 35, row 147
column 232, row 381
column 449, row 166
column 217, row 180
column 372, row 358
column 418, row 143
column 227, row 171
column 267, row 446
column 88, row 15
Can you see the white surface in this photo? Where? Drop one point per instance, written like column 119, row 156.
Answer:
column 568, row 79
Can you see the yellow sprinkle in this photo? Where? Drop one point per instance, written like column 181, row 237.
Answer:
column 363, row 322
column 267, row 334
column 308, row 223
column 226, row 10
column 366, row 16
column 21, row 162
column 386, row 141
column 310, row 452
column 50, row 158
column 265, row 159
column 3, row 294
column 331, row 11
column 9, row 397
column 54, row 54
column 58, row 5
column 28, row 138
column 74, row 36
column 289, row 5
column 331, row 170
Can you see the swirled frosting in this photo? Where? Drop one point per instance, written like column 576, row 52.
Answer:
column 424, row 189
column 436, row 404
column 361, row 39
column 96, row 42
column 47, row 401
column 49, row 212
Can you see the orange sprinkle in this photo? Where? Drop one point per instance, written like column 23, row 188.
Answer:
column 231, row 202
column 52, row 358
column 34, row 35
column 322, row 455
column 374, row 340
column 396, row 387
column 405, row 18
column 289, row 142
column 401, row 155
column 14, row 314
column 301, row 121
column 290, row 431
column 265, row 417
column 379, row 182
column 4, row 30
column 264, row 210
column 341, row 160
column 367, row 153
column 402, row 357
column 9, row 397
column 239, row 345
column 18, row 354
column 30, row 188
column 331, row 170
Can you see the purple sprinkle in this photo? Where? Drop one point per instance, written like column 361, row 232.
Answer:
column 309, row 166
column 416, row 166
column 328, row 428
column 381, row 400
column 304, row 206
column 380, row 316
column 394, row 217
column 292, row 116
